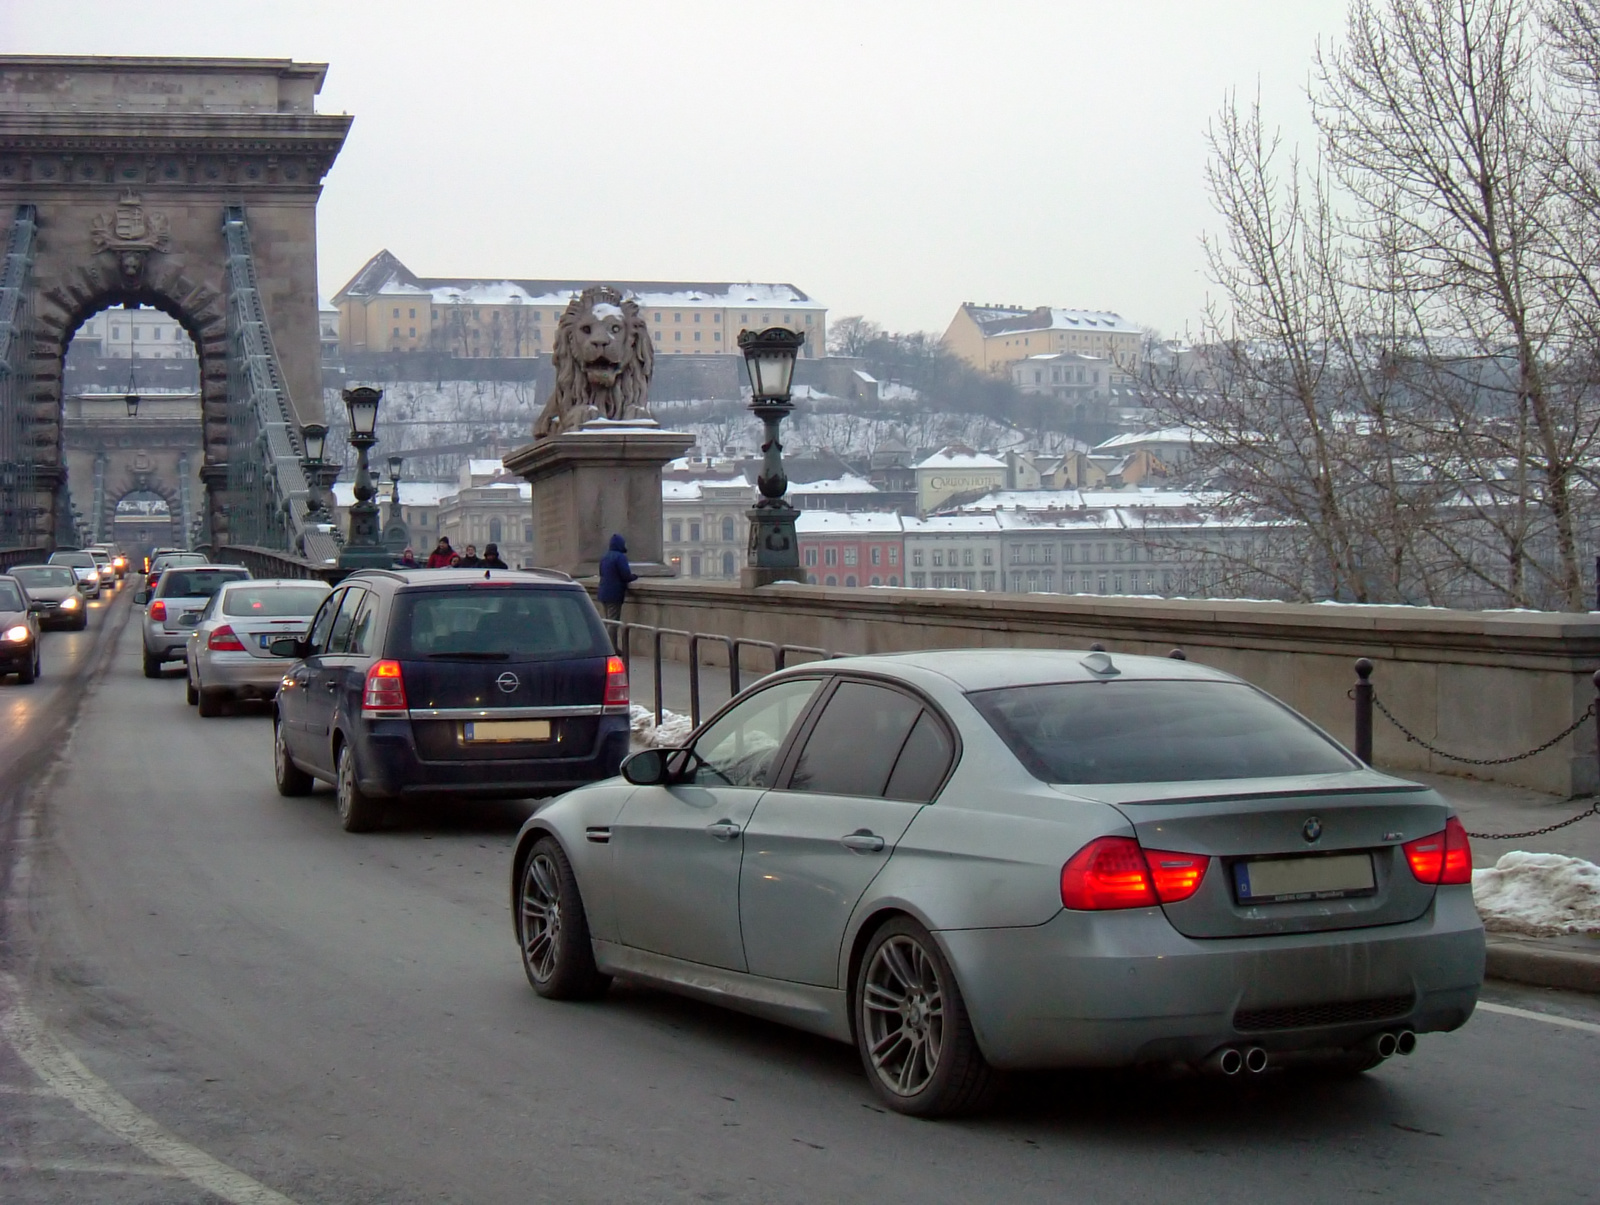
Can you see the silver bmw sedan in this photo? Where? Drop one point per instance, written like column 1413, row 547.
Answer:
column 970, row 861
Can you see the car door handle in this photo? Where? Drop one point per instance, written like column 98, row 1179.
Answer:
column 724, row 830
column 331, row 686
column 863, row 841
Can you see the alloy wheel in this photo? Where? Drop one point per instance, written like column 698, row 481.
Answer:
column 541, row 916
column 903, row 1007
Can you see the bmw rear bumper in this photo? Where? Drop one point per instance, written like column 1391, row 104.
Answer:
column 1126, row 988
column 388, row 765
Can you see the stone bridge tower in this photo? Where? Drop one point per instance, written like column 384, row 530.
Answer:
column 117, row 179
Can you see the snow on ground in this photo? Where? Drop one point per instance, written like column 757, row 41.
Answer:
column 673, row 730
column 1538, row 895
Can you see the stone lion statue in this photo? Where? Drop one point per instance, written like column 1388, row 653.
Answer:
column 603, row 360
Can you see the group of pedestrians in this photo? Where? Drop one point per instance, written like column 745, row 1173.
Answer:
column 445, row 557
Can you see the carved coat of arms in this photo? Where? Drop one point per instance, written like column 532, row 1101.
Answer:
column 131, row 233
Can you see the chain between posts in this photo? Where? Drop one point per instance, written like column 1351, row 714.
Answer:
column 1366, row 698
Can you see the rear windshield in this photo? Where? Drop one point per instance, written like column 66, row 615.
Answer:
column 270, row 601
column 180, row 558
column 81, row 559
column 41, row 577
column 10, row 597
column 1107, row 732
column 198, row 583
column 496, row 623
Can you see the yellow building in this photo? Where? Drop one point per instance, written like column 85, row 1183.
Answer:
column 992, row 338
column 387, row 307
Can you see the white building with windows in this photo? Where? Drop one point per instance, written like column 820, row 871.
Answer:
column 954, row 552
column 137, row 334
column 705, row 526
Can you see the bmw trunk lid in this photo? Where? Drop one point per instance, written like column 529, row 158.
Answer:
column 1294, row 855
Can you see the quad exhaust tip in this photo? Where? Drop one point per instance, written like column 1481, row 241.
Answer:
column 1387, row 1045
column 1230, row 1060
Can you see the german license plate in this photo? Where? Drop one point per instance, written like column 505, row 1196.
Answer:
column 1286, row 880
column 265, row 639
column 479, row 732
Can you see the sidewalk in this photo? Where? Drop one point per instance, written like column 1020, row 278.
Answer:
column 1485, row 807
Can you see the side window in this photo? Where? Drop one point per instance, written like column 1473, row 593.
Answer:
column 853, row 747
column 339, row 638
column 363, row 634
column 923, row 762
column 739, row 750
column 318, row 640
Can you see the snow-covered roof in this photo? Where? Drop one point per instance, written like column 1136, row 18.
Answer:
column 833, row 522
column 956, row 457
column 485, row 468
column 1167, row 435
column 688, row 491
column 384, row 275
column 848, row 484
column 1064, row 357
column 937, row 525
column 1005, row 320
column 426, row 493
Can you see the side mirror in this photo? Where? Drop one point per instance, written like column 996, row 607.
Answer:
column 36, row 608
column 646, row 768
column 141, row 597
column 288, row 646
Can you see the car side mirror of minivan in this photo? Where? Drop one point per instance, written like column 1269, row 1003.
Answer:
column 141, row 597
column 646, row 768
column 289, row 646
column 36, row 608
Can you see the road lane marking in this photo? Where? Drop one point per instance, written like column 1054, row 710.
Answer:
column 86, row 1166
column 19, row 1090
column 1529, row 1015
column 61, row 1070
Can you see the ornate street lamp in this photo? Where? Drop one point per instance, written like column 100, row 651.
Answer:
column 318, row 476
column 396, row 535
column 774, row 553
column 364, row 548
column 131, row 398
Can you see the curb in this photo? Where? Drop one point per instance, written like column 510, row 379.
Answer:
column 1536, row 963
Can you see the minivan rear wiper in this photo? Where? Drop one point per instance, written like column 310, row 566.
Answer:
column 469, row 656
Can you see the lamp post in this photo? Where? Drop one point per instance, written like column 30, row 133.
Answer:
column 131, row 398
column 774, row 553
column 395, row 533
column 364, row 548
column 314, row 436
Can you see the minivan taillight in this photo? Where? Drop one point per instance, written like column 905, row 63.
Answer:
column 616, row 683
column 1443, row 858
column 224, row 640
column 158, row 610
column 385, row 688
column 1114, row 872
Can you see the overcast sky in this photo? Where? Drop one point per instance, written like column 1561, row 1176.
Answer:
column 892, row 159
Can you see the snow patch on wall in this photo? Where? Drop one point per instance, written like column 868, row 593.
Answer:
column 1538, row 895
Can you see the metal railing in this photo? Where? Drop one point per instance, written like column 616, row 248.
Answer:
column 622, row 633
column 10, row 558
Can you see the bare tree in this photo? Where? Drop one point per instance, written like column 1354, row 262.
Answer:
column 850, row 336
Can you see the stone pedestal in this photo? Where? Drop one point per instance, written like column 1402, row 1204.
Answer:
column 592, row 482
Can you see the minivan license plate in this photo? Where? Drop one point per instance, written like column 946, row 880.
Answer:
column 1285, row 880
column 482, row 731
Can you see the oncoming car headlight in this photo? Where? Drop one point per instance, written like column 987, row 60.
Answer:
column 92, row 576
column 69, row 604
column 17, row 634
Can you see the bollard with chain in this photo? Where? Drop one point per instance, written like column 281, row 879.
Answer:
column 1362, row 694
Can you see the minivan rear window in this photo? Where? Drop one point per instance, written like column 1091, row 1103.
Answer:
column 273, row 601
column 1155, row 731
column 496, row 623
column 198, row 583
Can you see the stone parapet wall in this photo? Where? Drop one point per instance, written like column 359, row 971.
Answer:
column 1476, row 683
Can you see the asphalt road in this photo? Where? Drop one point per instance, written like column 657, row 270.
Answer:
column 211, row 992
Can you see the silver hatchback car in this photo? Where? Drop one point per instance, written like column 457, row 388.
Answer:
column 974, row 860
column 227, row 655
column 180, row 593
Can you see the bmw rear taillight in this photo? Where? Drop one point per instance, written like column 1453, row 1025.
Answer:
column 616, row 683
column 1115, row 872
column 158, row 610
column 224, row 640
column 1443, row 858
column 385, row 689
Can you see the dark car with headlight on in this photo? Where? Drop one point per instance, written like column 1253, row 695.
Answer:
column 19, row 632
column 970, row 860
column 449, row 683
column 55, row 588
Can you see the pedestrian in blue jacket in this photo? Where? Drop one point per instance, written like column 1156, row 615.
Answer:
column 615, row 574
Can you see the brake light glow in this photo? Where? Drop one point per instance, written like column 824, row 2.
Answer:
column 1114, row 872
column 616, row 683
column 385, row 688
column 224, row 640
column 158, row 610
column 1443, row 858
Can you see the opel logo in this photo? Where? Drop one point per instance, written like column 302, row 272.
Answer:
column 509, row 682
column 1311, row 830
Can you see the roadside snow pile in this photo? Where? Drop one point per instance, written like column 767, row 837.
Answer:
column 672, row 732
column 1538, row 895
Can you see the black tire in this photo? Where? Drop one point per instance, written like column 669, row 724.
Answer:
column 211, row 701
column 83, row 622
column 912, row 1031
column 553, row 929
column 191, row 696
column 292, row 780
column 29, row 672
column 152, row 666
column 358, row 811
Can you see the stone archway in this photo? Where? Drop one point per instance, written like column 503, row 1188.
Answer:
column 123, row 171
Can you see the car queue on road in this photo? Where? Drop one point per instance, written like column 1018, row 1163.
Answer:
column 59, row 594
